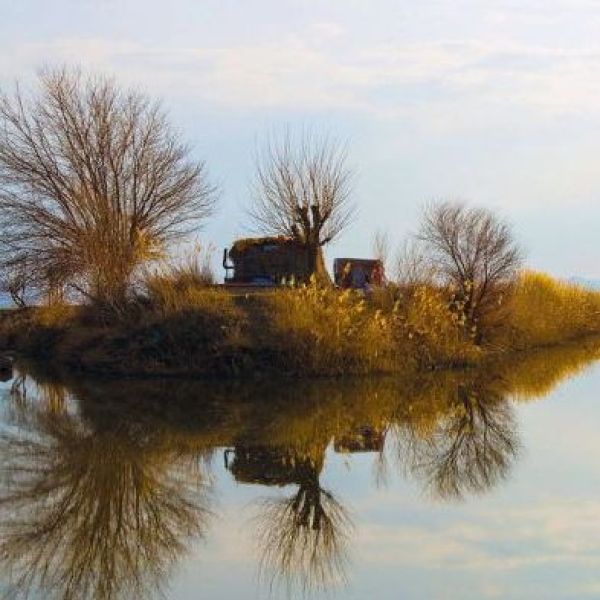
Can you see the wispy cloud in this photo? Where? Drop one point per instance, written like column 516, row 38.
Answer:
column 381, row 79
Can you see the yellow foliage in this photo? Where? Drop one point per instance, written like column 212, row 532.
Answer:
column 54, row 315
column 321, row 330
column 545, row 311
column 437, row 334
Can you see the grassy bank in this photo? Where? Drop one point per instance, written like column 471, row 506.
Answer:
column 181, row 327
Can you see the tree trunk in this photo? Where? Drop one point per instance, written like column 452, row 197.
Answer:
column 316, row 264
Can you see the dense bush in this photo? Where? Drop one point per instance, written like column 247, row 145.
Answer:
column 320, row 330
column 545, row 311
column 178, row 324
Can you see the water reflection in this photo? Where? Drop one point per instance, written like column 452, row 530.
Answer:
column 470, row 447
column 94, row 512
column 105, row 484
column 302, row 537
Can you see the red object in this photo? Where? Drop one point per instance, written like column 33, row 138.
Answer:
column 358, row 273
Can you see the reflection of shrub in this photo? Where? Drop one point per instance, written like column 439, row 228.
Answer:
column 534, row 374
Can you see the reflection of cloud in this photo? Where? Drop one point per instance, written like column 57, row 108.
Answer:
column 506, row 539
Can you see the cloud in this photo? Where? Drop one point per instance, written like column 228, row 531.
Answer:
column 315, row 71
column 328, row 30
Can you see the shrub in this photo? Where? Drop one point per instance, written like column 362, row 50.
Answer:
column 174, row 282
column 320, row 330
column 194, row 330
column 436, row 333
column 545, row 311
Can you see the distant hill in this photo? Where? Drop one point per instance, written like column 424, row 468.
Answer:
column 592, row 284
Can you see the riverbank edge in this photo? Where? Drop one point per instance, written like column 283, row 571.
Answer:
column 239, row 363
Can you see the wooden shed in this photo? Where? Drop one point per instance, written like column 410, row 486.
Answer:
column 266, row 261
column 363, row 439
column 274, row 466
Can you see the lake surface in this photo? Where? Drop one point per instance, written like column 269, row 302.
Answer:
column 454, row 485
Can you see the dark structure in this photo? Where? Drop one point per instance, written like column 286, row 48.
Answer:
column 364, row 439
column 267, row 261
column 271, row 261
column 272, row 466
column 6, row 369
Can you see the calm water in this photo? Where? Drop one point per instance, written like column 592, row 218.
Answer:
column 469, row 485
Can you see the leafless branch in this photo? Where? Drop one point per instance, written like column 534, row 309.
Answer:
column 302, row 190
column 474, row 252
column 93, row 182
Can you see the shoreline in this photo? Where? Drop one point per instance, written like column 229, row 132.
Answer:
column 298, row 333
column 252, row 370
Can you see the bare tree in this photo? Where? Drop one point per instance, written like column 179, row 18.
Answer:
column 302, row 191
column 412, row 266
column 93, row 182
column 473, row 252
column 380, row 245
column 15, row 282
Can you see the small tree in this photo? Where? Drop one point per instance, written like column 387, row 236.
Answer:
column 380, row 245
column 16, row 282
column 474, row 253
column 302, row 191
column 93, row 182
column 412, row 267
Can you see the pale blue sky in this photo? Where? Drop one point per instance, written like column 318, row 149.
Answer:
column 496, row 102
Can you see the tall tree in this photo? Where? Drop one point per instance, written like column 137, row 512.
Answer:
column 93, row 182
column 475, row 253
column 302, row 191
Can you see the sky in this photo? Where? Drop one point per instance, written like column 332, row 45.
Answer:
column 496, row 103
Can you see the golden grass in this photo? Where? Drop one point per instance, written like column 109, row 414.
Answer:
column 545, row 311
column 320, row 330
column 171, row 279
column 437, row 335
column 179, row 325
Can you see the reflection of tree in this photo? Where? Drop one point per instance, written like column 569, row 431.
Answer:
column 87, row 515
column 472, row 446
column 303, row 537
column 101, row 501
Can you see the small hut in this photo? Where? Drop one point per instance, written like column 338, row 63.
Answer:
column 6, row 369
column 267, row 261
column 272, row 466
column 364, row 439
